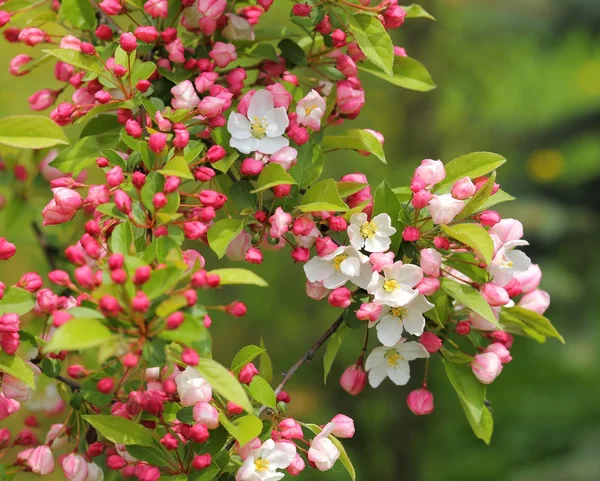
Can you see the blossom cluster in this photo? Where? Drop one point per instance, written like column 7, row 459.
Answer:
column 205, row 136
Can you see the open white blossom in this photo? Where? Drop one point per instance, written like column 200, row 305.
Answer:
column 508, row 262
column 395, row 287
column 262, row 130
column 342, row 265
column 372, row 235
column 262, row 463
column 322, row 451
column 393, row 321
column 393, row 362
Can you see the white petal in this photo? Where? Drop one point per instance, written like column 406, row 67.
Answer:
column 377, row 375
column 282, row 455
column 260, row 103
column 414, row 323
column 337, row 279
column 408, row 275
column 399, row 374
column 238, row 126
column 389, row 331
column 350, row 267
column 520, row 260
column 376, row 358
column 358, row 219
column 412, row 350
column 277, row 122
column 377, row 244
column 245, row 146
column 365, row 278
column 318, row 269
column 270, row 145
column 420, row 304
column 356, row 240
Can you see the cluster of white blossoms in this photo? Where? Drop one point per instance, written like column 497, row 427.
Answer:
column 396, row 308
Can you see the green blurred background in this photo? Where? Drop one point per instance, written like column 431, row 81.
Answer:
column 517, row 77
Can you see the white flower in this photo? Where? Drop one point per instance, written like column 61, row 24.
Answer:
column 373, row 235
column 342, row 265
column 262, row 463
column 444, row 208
column 322, row 451
column 394, row 320
column 310, row 110
column 192, row 388
column 263, row 129
column 395, row 287
column 393, row 361
column 508, row 262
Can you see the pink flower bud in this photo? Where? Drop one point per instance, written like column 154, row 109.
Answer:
column 350, row 97
column 530, row 279
column 215, row 153
column 340, row 297
column 104, row 32
column 17, row 64
column 296, row 466
column 133, row 128
column 157, row 8
column 325, row 246
column 411, row 234
column 536, row 301
column 42, row 99
column 205, row 414
column 501, row 351
column 316, row 290
column 157, row 142
column 251, row 167
column 7, row 249
column 115, row 462
column 115, row 177
column 343, row 426
column 31, row 281
column 236, row 309
column 421, row 199
column 41, row 460
column 494, row 295
column 247, row 373
column 106, row 385
column 128, row 42
column 441, row 243
column 140, row 302
column 123, row 201
column 286, row 157
column 430, row 262
column 212, row 8
column 169, row 441
column 353, row 380
column 253, row 256
column 369, row 311
column 109, row 305
column 199, row 433
column 223, row 53
column 463, row 328
column 486, row 367
column 420, row 402
column 141, row 275
column 174, row 320
column 430, row 342
column 279, row 222
column 210, row 198
column 300, row 254
column 301, row 10
column 201, row 461
column 463, row 189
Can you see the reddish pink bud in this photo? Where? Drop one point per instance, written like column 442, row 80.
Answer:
column 463, row 328
column 106, row 385
column 253, row 256
column 169, row 441
column 300, row 254
column 115, row 462
column 337, row 223
column 463, row 189
column 201, row 461
column 143, row 85
column 128, row 42
column 7, row 249
column 441, row 243
column 215, row 153
column 339, row 38
column 247, row 373
column 190, row 357
column 171, row 185
column 138, row 179
column 251, row 167
column 109, row 305
column 431, row 342
column 411, row 234
column 233, row 408
column 368, row 311
column 354, row 379
column 302, row 226
column 76, row 371
column 134, row 129
column 204, row 174
column 123, row 201
column 502, row 337
column 102, row 162
column 119, row 70
column 236, row 309
column 301, row 10
column 115, row 177
column 340, row 297
column 282, row 190
column 325, row 246
column 199, row 433
column 486, row 367
column 60, row 278
column 42, row 99
column 290, row 429
column 501, row 351
column 513, row 288
column 141, row 275
column 298, row 134
column 87, row 48
column 118, row 276
column 174, row 320
column 210, row 198
column 31, row 281
column 140, row 302
column 104, row 32
column 489, row 218
column 48, row 302
column 157, row 142
column 421, row 199
column 159, row 200
column 194, row 230
column 420, row 402
column 494, row 295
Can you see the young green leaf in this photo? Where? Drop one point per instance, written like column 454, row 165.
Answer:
column 272, row 175
column 17, row 367
column 262, row 392
column 120, row 430
column 292, row 53
column 222, row 233
column 244, row 429
column 471, row 165
column 30, row 132
column 177, row 167
column 322, row 196
column 417, row 11
column 235, row 275
column 529, row 321
column 17, row 301
column 77, row 59
column 373, row 40
column 355, row 139
column 309, row 165
column 498, row 198
column 79, row 334
column 224, row 383
column 467, row 387
column 78, row 13
column 122, row 238
column 470, row 298
column 244, row 356
column 480, row 198
column 408, row 73
column 473, row 236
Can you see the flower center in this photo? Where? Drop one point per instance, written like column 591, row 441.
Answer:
column 258, row 128
column 337, row 260
column 399, row 312
column 368, row 230
column 309, row 109
column 391, row 285
column 261, row 464
column 393, row 357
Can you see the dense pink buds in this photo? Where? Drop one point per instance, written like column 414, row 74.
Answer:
column 420, row 402
column 140, row 302
column 354, row 379
column 301, row 9
column 501, row 351
column 368, row 311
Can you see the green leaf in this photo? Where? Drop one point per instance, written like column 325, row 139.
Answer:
column 498, row 198
column 17, row 367
column 355, row 139
column 417, row 11
column 84, row 152
column 234, row 275
column 170, row 305
column 373, row 40
column 154, row 454
column 344, row 459
column 17, row 301
column 30, row 132
column 266, row 365
column 386, row 201
column 242, row 196
column 408, row 73
column 85, row 312
column 471, row 165
column 332, row 348
column 78, row 13
column 224, row 164
column 222, row 233
column 224, row 383
column 244, row 356
column 120, row 430
column 480, row 198
column 244, row 429
column 78, row 334
column 470, row 298
column 77, row 59
column 262, row 392
column 142, row 71
column 485, row 427
column 162, row 281
column 263, row 51
column 272, row 175
column 292, row 53
column 473, row 236
column 122, row 238
column 467, row 387
column 177, row 167
column 309, row 165
column 530, row 321
column 322, row 196
column 347, row 188
column 439, row 313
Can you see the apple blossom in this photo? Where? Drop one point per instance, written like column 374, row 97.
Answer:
column 310, row 110
column 444, row 208
column 393, row 321
column 396, row 287
column 263, row 463
column 372, row 235
column 342, row 265
column 322, row 452
column 192, row 387
column 393, row 362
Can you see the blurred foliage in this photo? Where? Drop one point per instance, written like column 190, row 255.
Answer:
column 517, row 77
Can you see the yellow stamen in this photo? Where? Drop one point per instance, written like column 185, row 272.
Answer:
column 337, row 260
column 391, row 285
column 261, row 464
column 368, row 230
column 399, row 312
column 258, row 128
column 393, row 357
